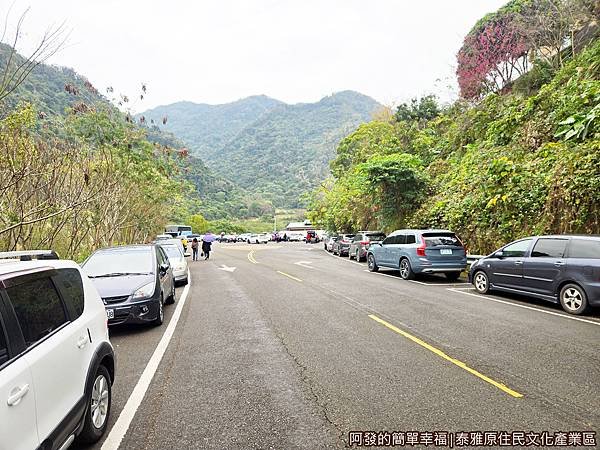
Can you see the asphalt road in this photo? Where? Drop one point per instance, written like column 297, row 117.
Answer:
column 295, row 348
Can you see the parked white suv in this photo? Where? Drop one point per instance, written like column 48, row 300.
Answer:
column 57, row 365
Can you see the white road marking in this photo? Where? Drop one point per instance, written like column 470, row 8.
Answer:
column 497, row 300
column 306, row 264
column 418, row 282
column 344, row 259
column 227, row 268
column 117, row 433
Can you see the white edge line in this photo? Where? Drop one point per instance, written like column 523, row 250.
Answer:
column 418, row 282
column 119, row 429
column 492, row 299
column 342, row 258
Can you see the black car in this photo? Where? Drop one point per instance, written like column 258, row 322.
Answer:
column 342, row 245
column 135, row 282
column 561, row 269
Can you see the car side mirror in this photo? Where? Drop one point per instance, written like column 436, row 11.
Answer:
column 499, row 254
column 164, row 267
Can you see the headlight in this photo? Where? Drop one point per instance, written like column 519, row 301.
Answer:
column 145, row 291
column 180, row 267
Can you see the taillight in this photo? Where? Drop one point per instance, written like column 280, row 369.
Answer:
column 421, row 247
column 365, row 242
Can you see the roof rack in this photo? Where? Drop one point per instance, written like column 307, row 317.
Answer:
column 28, row 255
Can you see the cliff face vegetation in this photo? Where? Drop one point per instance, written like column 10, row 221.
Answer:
column 518, row 154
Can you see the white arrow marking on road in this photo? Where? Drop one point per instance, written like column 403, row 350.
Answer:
column 226, row 268
column 306, row 264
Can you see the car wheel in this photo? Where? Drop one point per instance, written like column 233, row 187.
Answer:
column 481, row 282
column 350, row 255
column 371, row 264
column 171, row 297
column 98, row 408
column 573, row 299
column 406, row 271
column 160, row 317
column 358, row 258
column 452, row 276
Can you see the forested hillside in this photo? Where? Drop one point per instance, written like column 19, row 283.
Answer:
column 281, row 153
column 519, row 154
column 207, row 128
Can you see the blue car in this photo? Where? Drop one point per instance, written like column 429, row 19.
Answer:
column 561, row 269
column 414, row 252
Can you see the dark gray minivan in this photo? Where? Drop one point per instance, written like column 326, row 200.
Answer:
column 561, row 269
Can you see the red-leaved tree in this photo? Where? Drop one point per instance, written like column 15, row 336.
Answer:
column 492, row 56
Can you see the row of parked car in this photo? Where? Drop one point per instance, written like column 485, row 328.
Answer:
column 562, row 269
column 57, row 364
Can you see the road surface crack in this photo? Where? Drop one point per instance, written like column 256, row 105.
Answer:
column 307, row 381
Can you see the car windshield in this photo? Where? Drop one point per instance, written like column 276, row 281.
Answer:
column 440, row 239
column 120, row 262
column 375, row 236
column 172, row 251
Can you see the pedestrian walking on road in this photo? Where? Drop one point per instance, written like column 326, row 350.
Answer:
column 195, row 249
column 207, row 241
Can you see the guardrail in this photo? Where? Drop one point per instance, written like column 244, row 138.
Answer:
column 472, row 258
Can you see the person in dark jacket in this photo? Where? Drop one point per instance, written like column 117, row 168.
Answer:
column 207, row 241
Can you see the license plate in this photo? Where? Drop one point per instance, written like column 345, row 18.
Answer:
column 445, row 251
column 110, row 313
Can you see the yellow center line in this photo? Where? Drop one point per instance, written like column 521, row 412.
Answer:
column 440, row 353
column 289, row 276
column 251, row 257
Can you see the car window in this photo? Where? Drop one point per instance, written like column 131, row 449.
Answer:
column 71, row 286
column 439, row 239
column 516, row 249
column 162, row 259
column 172, row 251
column 3, row 346
column 388, row 240
column 376, row 236
column 551, row 248
column 358, row 238
column 584, row 248
column 122, row 261
column 410, row 239
column 38, row 308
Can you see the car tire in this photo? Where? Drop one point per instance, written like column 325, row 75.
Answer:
column 481, row 282
column 160, row 317
column 97, row 407
column 452, row 276
column 573, row 299
column 406, row 272
column 171, row 297
column 371, row 264
column 350, row 256
column 357, row 257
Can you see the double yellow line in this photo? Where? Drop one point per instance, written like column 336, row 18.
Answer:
column 441, row 354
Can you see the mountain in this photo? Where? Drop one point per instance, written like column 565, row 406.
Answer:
column 51, row 89
column 206, row 127
column 276, row 150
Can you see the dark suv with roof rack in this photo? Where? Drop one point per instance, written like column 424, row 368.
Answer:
column 561, row 269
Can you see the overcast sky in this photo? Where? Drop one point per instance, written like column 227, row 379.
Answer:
column 223, row 50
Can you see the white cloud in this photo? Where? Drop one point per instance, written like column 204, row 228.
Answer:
column 296, row 51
